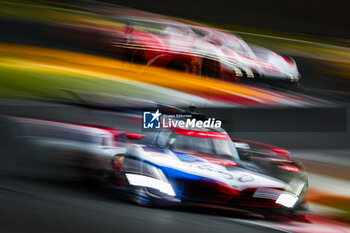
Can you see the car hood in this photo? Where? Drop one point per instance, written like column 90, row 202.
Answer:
column 180, row 165
column 277, row 62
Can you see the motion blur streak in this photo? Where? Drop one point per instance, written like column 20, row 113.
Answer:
column 57, row 61
column 83, row 83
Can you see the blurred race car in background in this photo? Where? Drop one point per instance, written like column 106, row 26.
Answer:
column 155, row 40
column 60, row 150
column 262, row 62
column 183, row 165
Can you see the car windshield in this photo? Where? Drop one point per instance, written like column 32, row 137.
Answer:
column 235, row 43
column 178, row 30
column 211, row 145
column 222, row 39
column 159, row 27
column 144, row 24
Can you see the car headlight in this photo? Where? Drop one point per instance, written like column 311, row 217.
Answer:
column 287, row 199
column 294, row 78
column 149, row 182
column 145, row 175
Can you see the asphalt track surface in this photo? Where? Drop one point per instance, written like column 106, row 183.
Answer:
column 47, row 206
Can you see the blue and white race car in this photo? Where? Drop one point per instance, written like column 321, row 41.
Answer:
column 186, row 166
column 182, row 166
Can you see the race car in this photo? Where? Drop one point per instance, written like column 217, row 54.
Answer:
column 183, row 166
column 215, row 52
column 55, row 150
column 153, row 40
column 187, row 165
